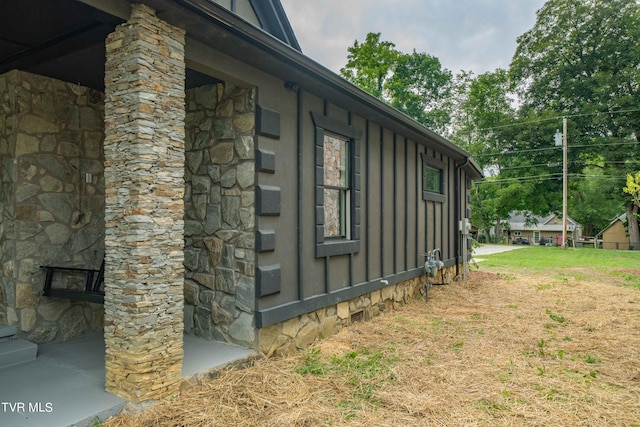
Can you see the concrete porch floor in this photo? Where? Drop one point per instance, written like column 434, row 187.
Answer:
column 64, row 386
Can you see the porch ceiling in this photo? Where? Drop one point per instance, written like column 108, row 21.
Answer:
column 62, row 39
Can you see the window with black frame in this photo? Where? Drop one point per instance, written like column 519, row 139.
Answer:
column 337, row 187
column 433, row 185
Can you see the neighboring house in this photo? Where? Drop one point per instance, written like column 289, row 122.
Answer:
column 540, row 230
column 615, row 235
column 236, row 189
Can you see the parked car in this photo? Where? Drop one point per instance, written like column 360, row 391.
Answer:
column 520, row 241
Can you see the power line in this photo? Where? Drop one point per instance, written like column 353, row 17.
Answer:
column 504, row 152
column 605, row 144
column 547, row 177
column 580, row 162
column 524, row 166
column 634, row 110
column 582, row 175
column 519, row 124
column 529, row 150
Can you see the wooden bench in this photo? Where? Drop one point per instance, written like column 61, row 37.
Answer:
column 91, row 292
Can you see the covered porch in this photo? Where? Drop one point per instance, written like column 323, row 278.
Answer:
column 116, row 150
column 65, row 385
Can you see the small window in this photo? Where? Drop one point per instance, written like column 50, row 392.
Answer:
column 337, row 194
column 433, row 179
column 337, row 187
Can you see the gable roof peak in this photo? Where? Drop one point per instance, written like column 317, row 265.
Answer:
column 270, row 15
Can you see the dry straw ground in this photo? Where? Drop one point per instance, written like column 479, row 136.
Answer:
column 497, row 350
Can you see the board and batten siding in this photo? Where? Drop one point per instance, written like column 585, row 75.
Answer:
column 396, row 225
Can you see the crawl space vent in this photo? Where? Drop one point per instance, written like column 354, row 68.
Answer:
column 357, row 316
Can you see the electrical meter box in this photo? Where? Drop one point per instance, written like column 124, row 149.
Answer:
column 465, row 226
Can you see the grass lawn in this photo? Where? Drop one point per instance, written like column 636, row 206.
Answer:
column 537, row 258
column 536, row 337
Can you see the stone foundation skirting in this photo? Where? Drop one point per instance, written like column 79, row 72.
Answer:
column 300, row 332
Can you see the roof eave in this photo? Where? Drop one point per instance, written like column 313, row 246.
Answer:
column 279, row 59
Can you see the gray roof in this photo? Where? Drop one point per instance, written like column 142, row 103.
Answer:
column 274, row 20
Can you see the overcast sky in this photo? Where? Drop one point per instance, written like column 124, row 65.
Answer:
column 470, row 35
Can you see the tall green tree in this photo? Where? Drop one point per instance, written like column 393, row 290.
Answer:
column 370, row 64
column 502, row 147
column 585, row 200
column 421, row 88
column 582, row 59
column 487, row 110
column 488, row 114
column 633, row 189
column 460, row 129
column 414, row 83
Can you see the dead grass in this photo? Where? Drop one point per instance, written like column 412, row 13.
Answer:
column 497, row 350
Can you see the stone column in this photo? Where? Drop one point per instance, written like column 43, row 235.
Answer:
column 144, row 212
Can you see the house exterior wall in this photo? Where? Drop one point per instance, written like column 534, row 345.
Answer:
column 243, row 235
column 615, row 237
column 51, row 134
column 396, row 225
column 301, row 331
column 548, row 236
column 549, row 228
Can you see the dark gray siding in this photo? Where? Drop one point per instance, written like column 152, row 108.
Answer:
column 358, row 266
column 399, row 204
column 283, row 147
column 373, row 220
column 421, row 218
column 313, row 272
column 397, row 225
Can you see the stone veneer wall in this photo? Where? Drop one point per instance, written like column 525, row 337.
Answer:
column 220, row 214
column 51, row 135
column 300, row 332
column 144, row 207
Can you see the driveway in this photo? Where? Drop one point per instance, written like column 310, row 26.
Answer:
column 495, row 249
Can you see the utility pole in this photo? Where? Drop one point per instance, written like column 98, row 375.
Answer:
column 561, row 139
column 564, row 182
